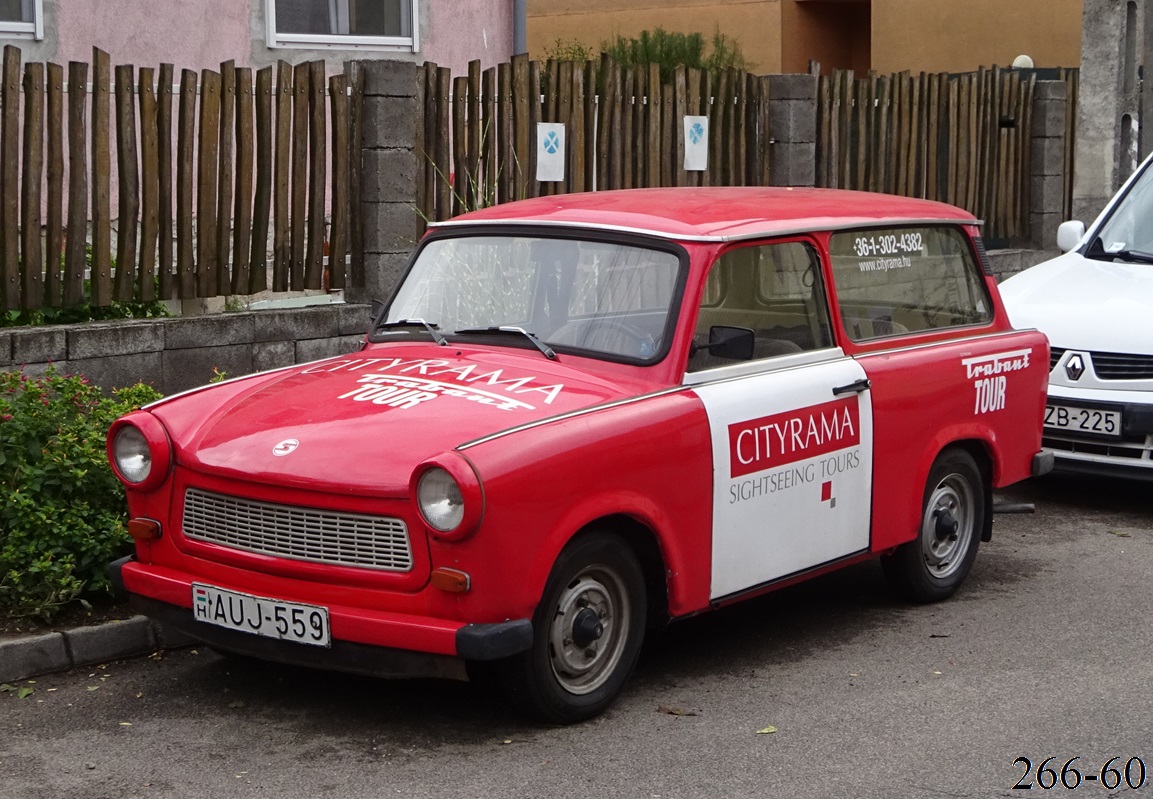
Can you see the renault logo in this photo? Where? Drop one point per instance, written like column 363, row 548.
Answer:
column 285, row 447
column 1075, row 367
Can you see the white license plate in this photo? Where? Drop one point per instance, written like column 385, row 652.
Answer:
column 1083, row 420
column 273, row 618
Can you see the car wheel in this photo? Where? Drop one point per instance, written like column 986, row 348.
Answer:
column 932, row 566
column 587, row 633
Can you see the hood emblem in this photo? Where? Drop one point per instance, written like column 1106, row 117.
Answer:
column 1075, row 367
column 285, row 447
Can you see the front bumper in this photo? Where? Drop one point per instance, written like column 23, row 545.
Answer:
column 389, row 645
column 1130, row 455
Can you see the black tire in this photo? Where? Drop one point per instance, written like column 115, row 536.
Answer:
column 587, row 633
column 933, row 565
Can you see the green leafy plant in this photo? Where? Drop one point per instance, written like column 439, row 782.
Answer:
column 672, row 49
column 570, row 50
column 62, row 513
column 85, row 312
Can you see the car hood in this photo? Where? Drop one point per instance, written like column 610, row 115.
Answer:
column 361, row 423
column 1080, row 303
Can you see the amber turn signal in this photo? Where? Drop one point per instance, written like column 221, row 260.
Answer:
column 451, row 581
column 144, row 529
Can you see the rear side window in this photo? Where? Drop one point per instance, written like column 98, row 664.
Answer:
column 898, row 280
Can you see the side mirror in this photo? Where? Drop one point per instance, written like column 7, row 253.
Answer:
column 735, row 343
column 1069, row 235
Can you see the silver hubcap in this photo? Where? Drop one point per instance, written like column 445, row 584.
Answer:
column 589, row 628
column 948, row 526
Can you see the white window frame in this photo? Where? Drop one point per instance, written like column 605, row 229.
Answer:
column 33, row 30
column 314, row 41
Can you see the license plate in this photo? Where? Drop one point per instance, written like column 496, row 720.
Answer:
column 1083, row 420
column 272, row 618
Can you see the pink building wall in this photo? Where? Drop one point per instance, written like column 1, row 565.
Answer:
column 198, row 34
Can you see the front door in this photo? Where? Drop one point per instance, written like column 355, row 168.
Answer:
column 792, row 428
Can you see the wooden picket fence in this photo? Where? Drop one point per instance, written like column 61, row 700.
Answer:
column 624, row 129
column 962, row 139
column 223, row 181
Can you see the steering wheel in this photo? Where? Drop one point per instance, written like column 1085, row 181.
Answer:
column 607, row 335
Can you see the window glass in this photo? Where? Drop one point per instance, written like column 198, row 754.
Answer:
column 355, row 21
column 1128, row 225
column 15, row 11
column 891, row 281
column 596, row 296
column 774, row 292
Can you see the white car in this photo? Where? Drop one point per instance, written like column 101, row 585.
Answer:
column 1095, row 303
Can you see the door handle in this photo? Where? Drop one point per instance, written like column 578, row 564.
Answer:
column 853, row 388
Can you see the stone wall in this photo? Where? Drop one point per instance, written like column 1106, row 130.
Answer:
column 180, row 353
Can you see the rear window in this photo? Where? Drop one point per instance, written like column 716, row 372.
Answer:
column 898, row 280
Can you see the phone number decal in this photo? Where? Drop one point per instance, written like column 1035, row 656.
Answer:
column 889, row 244
column 1115, row 773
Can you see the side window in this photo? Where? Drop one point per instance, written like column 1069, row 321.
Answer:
column 773, row 292
column 387, row 24
column 891, row 281
column 22, row 19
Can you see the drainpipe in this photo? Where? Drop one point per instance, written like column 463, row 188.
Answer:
column 519, row 34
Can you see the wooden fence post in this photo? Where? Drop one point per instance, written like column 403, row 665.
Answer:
column 101, row 292
column 32, row 252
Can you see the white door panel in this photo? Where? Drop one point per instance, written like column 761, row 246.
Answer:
column 792, row 471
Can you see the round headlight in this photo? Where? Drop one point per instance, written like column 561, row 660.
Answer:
column 440, row 499
column 133, row 457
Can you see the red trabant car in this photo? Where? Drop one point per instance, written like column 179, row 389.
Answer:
column 579, row 417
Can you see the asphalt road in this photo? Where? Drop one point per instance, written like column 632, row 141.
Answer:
column 1045, row 652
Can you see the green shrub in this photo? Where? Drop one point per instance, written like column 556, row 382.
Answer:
column 672, row 49
column 62, row 513
column 570, row 50
column 136, row 308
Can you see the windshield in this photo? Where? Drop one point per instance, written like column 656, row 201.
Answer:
column 605, row 298
column 1128, row 227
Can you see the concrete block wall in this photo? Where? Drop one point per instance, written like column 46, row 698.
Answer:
column 1047, row 162
column 392, row 164
column 1115, row 41
column 180, row 353
column 793, row 129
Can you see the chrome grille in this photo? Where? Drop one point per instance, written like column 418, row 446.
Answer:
column 286, row 531
column 1122, row 366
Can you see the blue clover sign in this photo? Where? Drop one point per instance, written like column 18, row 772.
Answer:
column 696, row 132
column 551, row 143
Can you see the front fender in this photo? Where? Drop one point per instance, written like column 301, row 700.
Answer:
column 648, row 460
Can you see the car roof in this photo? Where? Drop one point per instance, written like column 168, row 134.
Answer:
column 717, row 213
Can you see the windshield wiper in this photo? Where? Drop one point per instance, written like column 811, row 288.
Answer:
column 520, row 331
column 430, row 327
column 1097, row 252
column 1133, row 256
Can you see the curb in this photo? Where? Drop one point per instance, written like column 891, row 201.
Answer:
column 21, row 658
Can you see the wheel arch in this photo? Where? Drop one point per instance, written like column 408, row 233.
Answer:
column 645, row 544
column 979, row 450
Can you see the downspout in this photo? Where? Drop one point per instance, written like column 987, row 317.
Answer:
column 519, row 31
